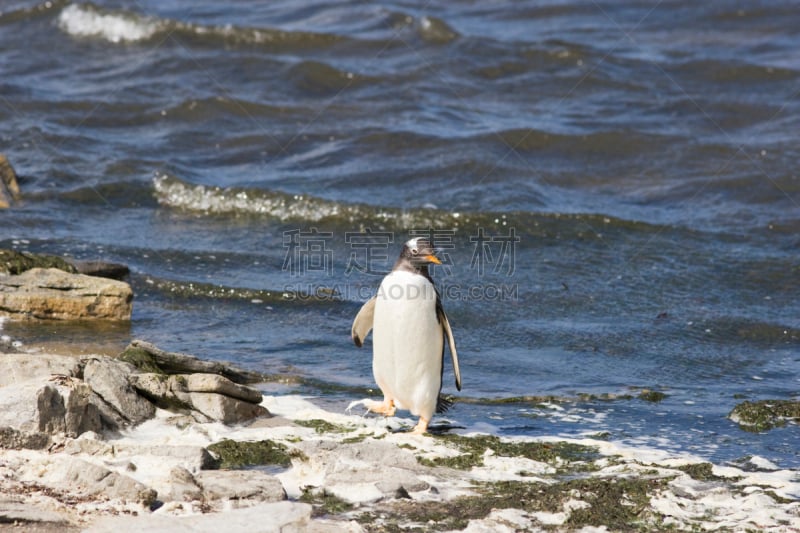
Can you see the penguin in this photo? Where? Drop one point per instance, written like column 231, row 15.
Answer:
column 409, row 329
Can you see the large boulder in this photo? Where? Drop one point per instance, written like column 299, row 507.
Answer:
column 51, row 293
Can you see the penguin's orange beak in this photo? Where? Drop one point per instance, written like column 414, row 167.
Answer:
column 433, row 259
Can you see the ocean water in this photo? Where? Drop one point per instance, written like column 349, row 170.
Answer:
column 614, row 188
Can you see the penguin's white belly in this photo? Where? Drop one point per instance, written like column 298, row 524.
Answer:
column 407, row 343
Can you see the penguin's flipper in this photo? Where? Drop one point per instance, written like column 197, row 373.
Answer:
column 363, row 322
column 451, row 341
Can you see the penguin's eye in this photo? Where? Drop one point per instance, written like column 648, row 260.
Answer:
column 414, row 252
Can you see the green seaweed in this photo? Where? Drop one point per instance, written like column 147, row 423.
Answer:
column 239, row 454
column 701, row 472
column 651, row 395
column 322, row 426
column 580, row 457
column 324, row 503
column 141, row 359
column 620, row 504
column 764, row 415
column 13, row 262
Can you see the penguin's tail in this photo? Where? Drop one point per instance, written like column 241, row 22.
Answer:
column 443, row 403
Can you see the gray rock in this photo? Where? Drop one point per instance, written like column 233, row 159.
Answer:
column 14, row 439
column 13, row 511
column 88, row 480
column 222, row 385
column 52, row 412
column 109, row 379
column 16, row 367
column 101, row 269
column 193, row 458
column 50, row 293
column 277, row 517
column 224, row 408
column 87, row 411
column 178, row 363
column 378, row 469
column 39, row 406
column 155, row 387
column 175, row 392
column 88, row 444
column 181, row 487
column 240, row 486
column 19, row 406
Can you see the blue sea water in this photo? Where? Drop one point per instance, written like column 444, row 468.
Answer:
column 615, row 186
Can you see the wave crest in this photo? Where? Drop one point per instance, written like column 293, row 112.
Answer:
column 173, row 192
column 87, row 21
column 117, row 26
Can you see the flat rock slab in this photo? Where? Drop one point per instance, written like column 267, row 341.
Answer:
column 17, row 367
column 212, row 396
column 221, row 385
column 50, row 293
column 14, row 511
column 224, row 408
column 365, row 472
column 144, row 354
column 85, row 480
column 240, row 485
column 278, row 517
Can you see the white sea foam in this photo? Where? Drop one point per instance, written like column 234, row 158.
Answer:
column 85, row 21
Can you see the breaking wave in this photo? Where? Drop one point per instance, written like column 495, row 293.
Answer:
column 87, row 21
column 118, row 26
column 173, row 192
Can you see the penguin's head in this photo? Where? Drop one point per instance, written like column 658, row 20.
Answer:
column 419, row 252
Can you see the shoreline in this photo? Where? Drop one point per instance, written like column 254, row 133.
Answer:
column 331, row 471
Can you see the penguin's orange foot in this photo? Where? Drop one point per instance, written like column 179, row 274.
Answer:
column 385, row 408
column 421, row 427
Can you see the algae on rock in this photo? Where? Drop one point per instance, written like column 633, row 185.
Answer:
column 239, row 454
column 765, row 414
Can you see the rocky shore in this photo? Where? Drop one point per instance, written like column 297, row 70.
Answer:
column 150, row 439
column 161, row 441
